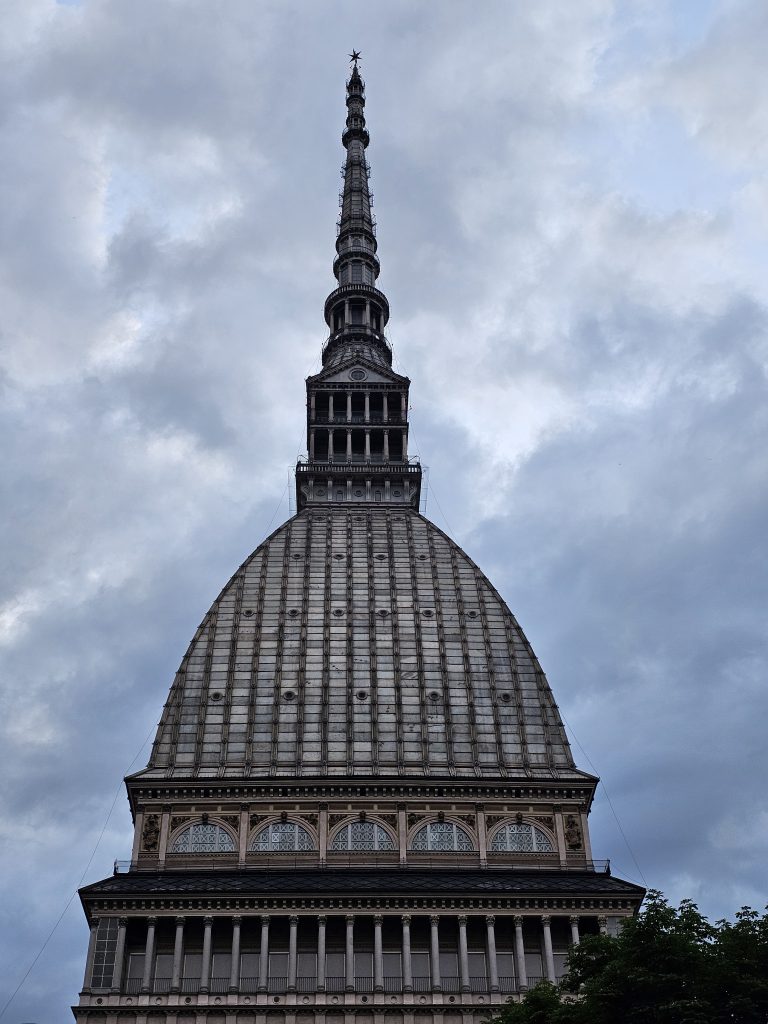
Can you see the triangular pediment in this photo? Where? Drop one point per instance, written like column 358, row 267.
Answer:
column 358, row 370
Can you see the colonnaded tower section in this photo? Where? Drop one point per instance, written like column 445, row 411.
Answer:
column 361, row 806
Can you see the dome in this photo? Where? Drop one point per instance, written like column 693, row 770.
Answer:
column 360, row 642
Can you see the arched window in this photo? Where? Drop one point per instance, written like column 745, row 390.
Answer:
column 203, row 838
column 282, row 837
column 361, row 836
column 520, row 837
column 442, row 837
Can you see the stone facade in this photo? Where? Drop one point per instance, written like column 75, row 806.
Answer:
column 361, row 806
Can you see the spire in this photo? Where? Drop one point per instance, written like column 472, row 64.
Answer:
column 357, row 405
column 356, row 311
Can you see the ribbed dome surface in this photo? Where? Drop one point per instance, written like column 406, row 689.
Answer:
column 360, row 642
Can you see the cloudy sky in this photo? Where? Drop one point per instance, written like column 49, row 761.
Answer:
column 572, row 209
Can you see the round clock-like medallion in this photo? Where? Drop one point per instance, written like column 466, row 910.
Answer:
column 357, row 374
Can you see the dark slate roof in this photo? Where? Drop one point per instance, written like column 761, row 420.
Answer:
column 449, row 683
column 363, row 883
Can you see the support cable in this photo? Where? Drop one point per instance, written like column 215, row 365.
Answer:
column 67, row 905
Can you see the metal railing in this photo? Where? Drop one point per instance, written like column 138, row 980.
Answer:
column 218, row 985
column 418, row 862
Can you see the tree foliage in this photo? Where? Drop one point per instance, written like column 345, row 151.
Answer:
column 667, row 966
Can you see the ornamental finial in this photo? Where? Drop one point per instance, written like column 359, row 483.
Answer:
column 354, row 57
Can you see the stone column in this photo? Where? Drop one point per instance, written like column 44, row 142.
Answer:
column 331, row 452
column 312, row 404
column 403, row 406
column 434, row 952
column 402, row 833
column 493, row 967
column 349, row 407
column 385, row 407
column 405, row 445
column 178, row 955
column 264, row 954
column 602, row 923
column 585, row 835
column 323, row 832
column 349, row 445
column 522, row 974
column 205, row 973
column 293, row 923
column 367, row 446
column 312, row 444
column 549, row 960
column 482, row 834
column 407, row 968
column 367, row 407
column 245, row 821
column 463, row 955
column 349, row 959
column 234, row 974
column 138, row 828
column 149, row 954
column 88, row 976
column 162, row 842
column 386, row 446
column 117, row 973
column 378, row 956
column 330, row 407
column 560, row 835
column 574, row 930
column 321, row 954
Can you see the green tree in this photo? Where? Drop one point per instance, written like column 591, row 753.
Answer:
column 667, row 966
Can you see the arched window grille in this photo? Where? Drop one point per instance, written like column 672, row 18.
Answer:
column 282, row 837
column 442, row 837
column 203, row 838
column 520, row 837
column 360, row 837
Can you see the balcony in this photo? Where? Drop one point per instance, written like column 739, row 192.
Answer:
column 417, row 860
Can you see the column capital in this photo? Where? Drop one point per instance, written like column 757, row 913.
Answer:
column 405, row 918
column 349, row 918
column 293, row 920
column 377, row 920
column 518, row 920
column 462, row 919
column 490, row 920
column 546, row 920
column 180, row 921
column 434, row 920
column 574, row 919
column 122, row 922
column 152, row 920
column 321, row 920
column 207, row 921
column 94, row 924
column 265, row 919
column 237, row 919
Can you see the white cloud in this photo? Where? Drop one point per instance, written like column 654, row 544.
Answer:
column 569, row 199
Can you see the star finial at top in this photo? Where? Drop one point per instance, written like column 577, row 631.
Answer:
column 354, row 57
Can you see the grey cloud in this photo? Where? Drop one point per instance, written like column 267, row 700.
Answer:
column 588, row 388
